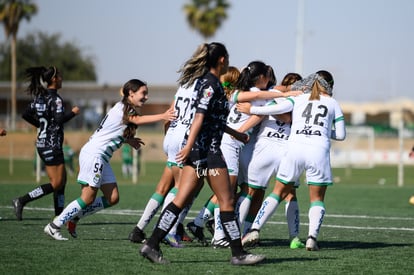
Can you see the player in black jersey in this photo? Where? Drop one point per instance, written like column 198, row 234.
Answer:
column 201, row 154
column 46, row 112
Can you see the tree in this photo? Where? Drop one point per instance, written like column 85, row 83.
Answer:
column 12, row 12
column 206, row 16
column 35, row 49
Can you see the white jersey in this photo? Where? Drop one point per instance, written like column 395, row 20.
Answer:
column 108, row 137
column 94, row 167
column 235, row 118
column 268, row 151
column 272, row 128
column 184, row 107
column 312, row 120
column 230, row 147
column 309, row 141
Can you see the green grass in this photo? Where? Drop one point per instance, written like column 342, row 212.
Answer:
column 368, row 229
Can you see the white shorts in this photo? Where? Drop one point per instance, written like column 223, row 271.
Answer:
column 173, row 143
column 94, row 171
column 266, row 157
column 231, row 148
column 301, row 157
column 245, row 158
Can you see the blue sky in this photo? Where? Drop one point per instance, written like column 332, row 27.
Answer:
column 367, row 45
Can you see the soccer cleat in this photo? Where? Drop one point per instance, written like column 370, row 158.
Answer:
column 137, row 235
column 182, row 235
column 210, row 226
column 197, row 231
column 251, row 239
column 222, row 243
column 311, row 244
column 173, row 241
column 296, row 243
column 18, row 208
column 247, row 259
column 153, row 255
column 71, row 226
column 54, row 232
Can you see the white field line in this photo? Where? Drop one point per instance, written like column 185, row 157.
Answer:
column 130, row 212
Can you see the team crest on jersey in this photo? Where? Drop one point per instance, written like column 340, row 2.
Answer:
column 97, row 178
column 59, row 105
column 208, row 92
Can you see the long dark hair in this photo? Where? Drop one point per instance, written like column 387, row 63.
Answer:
column 40, row 78
column 129, row 109
column 250, row 74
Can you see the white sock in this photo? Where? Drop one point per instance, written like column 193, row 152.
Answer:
column 316, row 214
column 70, row 211
column 218, row 227
column 150, row 210
column 292, row 217
column 267, row 209
column 169, row 198
column 97, row 205
column 243, row 204
column 205, row 214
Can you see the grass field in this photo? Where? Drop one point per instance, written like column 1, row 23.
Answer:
column 368, row 229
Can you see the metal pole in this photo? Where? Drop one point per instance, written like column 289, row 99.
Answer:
column 300, row 33
column 401, row 151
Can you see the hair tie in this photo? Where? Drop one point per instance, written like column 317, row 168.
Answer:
column 42, row 83
column 227, row 85
column 54, row 72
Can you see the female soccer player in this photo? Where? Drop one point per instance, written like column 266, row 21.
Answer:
column 46, row 112
column 202, row 157
column 117, row 127
column 316, row 119
column 270, row 148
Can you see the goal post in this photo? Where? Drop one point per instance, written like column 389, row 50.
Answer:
column 357, row 150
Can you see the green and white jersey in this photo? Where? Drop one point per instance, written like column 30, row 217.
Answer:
column 236, row 119
column 313, row 120
column 107, row 138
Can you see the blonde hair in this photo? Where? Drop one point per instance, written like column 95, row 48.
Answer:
column 316, row 91
column 195, row 67
column 229, row 80
column 206, row 56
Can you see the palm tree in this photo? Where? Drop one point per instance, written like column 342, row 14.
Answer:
column 206, row 16
column 11, row 14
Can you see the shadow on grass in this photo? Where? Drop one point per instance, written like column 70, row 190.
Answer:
column 336, row 245
column 265, row 262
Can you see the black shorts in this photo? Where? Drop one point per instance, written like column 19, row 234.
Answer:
column 202, row 160
column 51, row 156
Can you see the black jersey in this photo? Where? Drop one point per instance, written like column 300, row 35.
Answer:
column 212, row 102
column 47, row 113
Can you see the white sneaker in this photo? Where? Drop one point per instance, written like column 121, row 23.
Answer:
column 311, row 244
column 251, row 239
column 54, row 233
column 247, row 259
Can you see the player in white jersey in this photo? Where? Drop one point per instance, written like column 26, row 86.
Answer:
column 316, row 119
column 250, row 198
column 269, row 150
column 117, row 127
